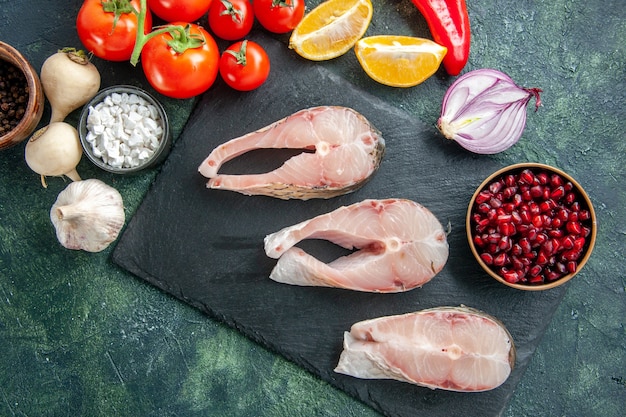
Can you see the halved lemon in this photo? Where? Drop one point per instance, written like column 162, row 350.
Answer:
column 399, row 61
column 331, row 29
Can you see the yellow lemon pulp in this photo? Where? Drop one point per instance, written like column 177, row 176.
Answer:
column 331, row 29
column 399, row 61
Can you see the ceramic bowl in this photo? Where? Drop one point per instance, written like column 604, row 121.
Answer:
column 35, row 105
column 534, row 253
column 123, row 99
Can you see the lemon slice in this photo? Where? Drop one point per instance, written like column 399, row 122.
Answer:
column 399, row 61
column 331, row 29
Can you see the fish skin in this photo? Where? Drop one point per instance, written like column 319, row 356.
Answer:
column 320, row 173
column 408, row 347
column 400, row 246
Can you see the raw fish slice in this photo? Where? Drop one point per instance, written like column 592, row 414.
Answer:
column 346, row 150
column 451, row 348
column 401, row 245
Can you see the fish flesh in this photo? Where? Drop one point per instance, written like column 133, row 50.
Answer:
column 400, row 245
column 341, row 151
column 451, row 348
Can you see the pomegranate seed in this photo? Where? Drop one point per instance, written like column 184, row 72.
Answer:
column 516, row 249
column 547, row 221
column 568, row 242
column 535, row 270
column 542, row 259
column 547, row 205
column 586, row 231
column 494, row 238
column 557, row 193
column 517, row 199
column 515, row 217
column 552, row 275
column 556, row 180
column 568, row 186
column 526, row 216
column 548, row 247
column 509, row 192
column 531, row 255
column 525, row 245
column 542, row 177
column 510, row 276
column 478, row 241
column 536, row 280
column 534, row 208
column 503, row 228
column 571, row 255
column 487, row 258
column 560, row 267
column 570, row 198
column 575, row 206
column 510, row 180
column 492, row 215
column 556, row 224
column 584, row 215
column 527, row 177
column 562, row 214
column 494, row 202
column 536, row 191
column 573, row 216
column 505, row 244
column 483, row 197
column 517, row 264
column 508, row 207
column 541, row 238
column 531, row 234
column 501, row 259
column 537, row 221
column 526, row 195
column 574, row 227
column 476, row 217
column 495, row 187
column 571, row 266
column 482, row 225
column 484, row 208
column 579, row 243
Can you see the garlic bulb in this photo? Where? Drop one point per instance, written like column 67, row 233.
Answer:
column 88, row 215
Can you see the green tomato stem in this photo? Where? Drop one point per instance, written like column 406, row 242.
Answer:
column 181, row 38
column 240, row 55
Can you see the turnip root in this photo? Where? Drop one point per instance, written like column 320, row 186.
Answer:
column 54, row 150
column 69, row 81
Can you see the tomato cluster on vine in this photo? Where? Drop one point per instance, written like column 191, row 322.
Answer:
column 181, row 59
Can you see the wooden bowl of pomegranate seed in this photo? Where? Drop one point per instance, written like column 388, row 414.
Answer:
column 531, row 226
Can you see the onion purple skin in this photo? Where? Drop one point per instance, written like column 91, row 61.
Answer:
column 484, row 111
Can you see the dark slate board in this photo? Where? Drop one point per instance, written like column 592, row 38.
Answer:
column 205, row 247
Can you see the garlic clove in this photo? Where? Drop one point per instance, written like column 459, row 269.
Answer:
column 88, row 215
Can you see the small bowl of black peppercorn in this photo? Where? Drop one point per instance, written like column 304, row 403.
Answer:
column 21, row 97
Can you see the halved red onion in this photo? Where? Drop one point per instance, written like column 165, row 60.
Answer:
column 484, row 111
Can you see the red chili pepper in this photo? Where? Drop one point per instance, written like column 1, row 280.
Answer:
column 449, row 26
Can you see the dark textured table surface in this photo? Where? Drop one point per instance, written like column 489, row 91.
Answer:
column 80, row 336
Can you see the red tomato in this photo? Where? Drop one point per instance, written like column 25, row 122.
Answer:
column 278, row 16
column 244, row 65
column 181, row 74
column 231, row 19
column 105, row 38
column 179, row 10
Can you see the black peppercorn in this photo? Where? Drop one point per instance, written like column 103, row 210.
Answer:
column 13, row 96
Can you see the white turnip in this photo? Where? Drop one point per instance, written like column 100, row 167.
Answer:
column 54, row 150
column 69, row 81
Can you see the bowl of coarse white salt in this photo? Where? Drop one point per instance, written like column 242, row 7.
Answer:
column 123, row 129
